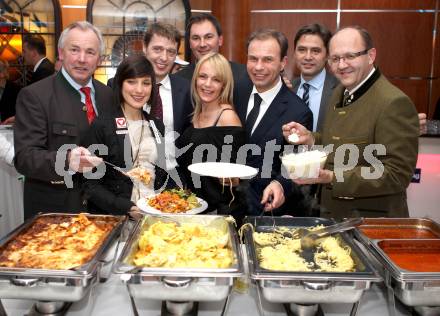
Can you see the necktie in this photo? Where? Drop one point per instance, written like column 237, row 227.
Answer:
column 89, row 105
column 253, row 114
column 306, row 88
column 157, row 108
column 345, row 100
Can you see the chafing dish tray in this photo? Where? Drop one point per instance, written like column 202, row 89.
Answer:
column 397, row 228
column 410, row 266
column 67, row 285
column 307, row 287
column 180, row 284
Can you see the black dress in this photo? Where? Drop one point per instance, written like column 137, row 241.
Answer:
column 212, row 139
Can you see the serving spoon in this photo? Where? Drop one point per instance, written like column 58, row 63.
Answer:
column 309, row 238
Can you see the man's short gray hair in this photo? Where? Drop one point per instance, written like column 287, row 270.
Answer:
column 84, row 26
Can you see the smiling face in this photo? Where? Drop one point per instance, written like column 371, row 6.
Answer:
column 350, row 72
column 136, row 92
column 161, row 52
column 203, row 39
column 80, row 55
column 208, row 85
column 310, row 55
column 264, row 63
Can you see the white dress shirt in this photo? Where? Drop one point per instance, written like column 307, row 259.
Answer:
column 315, row 94
column 77, row 87
column 267, row 98
column 168, row 120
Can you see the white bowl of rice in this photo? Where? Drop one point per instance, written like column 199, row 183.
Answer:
column 304, row 165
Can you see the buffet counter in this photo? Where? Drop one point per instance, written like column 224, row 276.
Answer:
column 111, row 298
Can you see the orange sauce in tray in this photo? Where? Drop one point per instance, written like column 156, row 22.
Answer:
column 398, row 233
column 415, row 255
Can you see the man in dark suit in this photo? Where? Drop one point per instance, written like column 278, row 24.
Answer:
column 34, row 55
column 311, row 53
column 55, row 112
column 204, row 35
column 8, row 95
column 264, row 104
column 161, row 44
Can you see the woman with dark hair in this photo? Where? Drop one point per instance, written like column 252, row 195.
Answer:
column 130, row 135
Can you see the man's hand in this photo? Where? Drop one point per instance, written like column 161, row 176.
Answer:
column 423, row 129
column 305, row 137
column 273, row 196
column 11, row 120
column 81, row 160
column 325, row 176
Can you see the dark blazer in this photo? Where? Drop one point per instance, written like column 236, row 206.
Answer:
column 182, row 106
column 238, row 71
column 379, row 114
column 112, row 192
column 45, row 69
column 8, row 99
column 50, row 114
column 286, row 107
column 330, row 84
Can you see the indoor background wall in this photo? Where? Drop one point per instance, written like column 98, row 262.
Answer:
column 404, row 31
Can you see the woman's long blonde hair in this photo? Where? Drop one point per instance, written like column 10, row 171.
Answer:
column 223, row 71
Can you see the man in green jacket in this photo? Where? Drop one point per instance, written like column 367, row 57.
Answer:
column 373, row 128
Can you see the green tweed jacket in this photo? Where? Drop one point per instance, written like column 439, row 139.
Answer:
column 381, row 114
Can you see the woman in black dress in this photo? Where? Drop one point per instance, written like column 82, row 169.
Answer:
column 214, row 125
column 130, row 135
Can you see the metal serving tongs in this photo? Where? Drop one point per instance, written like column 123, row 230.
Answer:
column 308, row 238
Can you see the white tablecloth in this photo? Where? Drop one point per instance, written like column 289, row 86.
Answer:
column 11, row 194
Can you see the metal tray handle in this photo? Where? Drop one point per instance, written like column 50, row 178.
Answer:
column 25, row 282
column 316, row 286
column 178, row 282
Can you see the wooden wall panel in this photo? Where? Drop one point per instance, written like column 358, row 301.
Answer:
column 200, row 5
column 403, row 40
column 293, row 5
column 387, row 4
column 70, row 15
column 435, row 97
column 437, row 50
column 289, row 23
column 417, row 90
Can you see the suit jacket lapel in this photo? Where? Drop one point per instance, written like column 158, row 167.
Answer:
column 330, row 83
column 273, row 113
column 177, row 99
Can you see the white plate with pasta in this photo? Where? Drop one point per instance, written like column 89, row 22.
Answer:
column 223, row 170
column 174, row 201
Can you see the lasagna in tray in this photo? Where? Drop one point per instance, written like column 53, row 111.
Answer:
column 58, row 242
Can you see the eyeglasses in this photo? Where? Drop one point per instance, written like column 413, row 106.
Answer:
column 346, row 57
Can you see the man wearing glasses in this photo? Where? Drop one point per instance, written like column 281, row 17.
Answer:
column 366, row 109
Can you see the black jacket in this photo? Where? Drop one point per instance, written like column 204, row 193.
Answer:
column 112, row 193
column 8, row 99
column 45, row 69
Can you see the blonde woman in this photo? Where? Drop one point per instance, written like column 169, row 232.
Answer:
column 214, row 125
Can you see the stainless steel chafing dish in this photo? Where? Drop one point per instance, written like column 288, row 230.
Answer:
column 307, row 287
column 179, row 284
column 54, row 285
column 411, row 288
